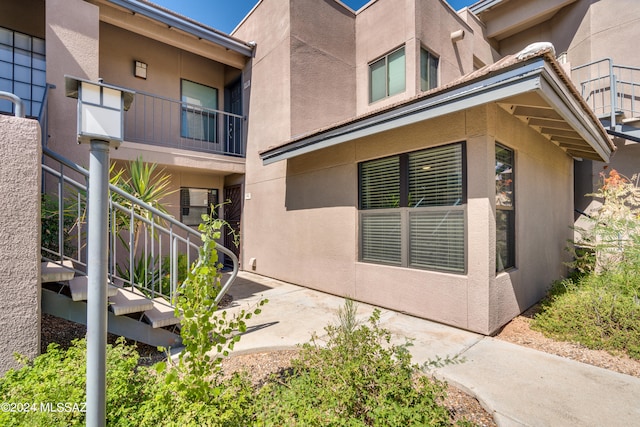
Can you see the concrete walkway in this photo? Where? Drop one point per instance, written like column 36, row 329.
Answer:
column 519, row 386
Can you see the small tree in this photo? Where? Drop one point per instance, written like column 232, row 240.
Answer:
column 612, row 242
column 207, row 335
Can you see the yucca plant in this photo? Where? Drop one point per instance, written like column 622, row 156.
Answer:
column 146, row 184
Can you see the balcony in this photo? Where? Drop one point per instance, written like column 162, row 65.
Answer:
column 165, row 122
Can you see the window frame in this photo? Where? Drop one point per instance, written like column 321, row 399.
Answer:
column 510, row 211
column 35, row 54
column 424, row 72
column 192, row 110
column 211, row 193
column 385, row 59
column 405, row 213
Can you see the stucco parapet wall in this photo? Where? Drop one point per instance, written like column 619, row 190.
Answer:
column 20, row 173
column 510, row 76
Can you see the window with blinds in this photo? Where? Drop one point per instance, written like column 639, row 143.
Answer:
column 194, row 202
column 413, row 209
column 387, row 75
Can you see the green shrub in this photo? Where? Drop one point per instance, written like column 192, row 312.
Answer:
column 358, row 379
column 596, row 311
column 600, row 306
column 59, row 376
column 50, row 226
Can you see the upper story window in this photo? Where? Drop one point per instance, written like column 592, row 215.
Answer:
column 387, row 75
column 22, row 70
column 412, row 209
column 199, row 111
column 428, row 70
column 505, row 209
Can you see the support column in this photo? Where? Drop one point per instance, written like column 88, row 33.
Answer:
column 97, row 283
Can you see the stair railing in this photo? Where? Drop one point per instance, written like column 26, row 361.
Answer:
column 610, row 90
column 152, row 268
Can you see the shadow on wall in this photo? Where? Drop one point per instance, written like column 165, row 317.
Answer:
column 332, row 186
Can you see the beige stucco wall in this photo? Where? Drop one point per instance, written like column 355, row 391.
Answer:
column 308, row 226
column 20, row 155
column 269, row 121
column 12, row 16
column 587, row 30
column 167, row 65
column 72, row 33
column 323, row 53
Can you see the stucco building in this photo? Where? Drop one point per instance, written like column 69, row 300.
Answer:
column 405, row 154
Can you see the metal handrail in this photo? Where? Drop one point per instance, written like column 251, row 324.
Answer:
column 19, row 103
column 159, row 120
column 604, row 76
column 159, row 225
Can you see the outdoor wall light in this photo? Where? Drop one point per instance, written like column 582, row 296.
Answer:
column 140, row 69
column 101, row 109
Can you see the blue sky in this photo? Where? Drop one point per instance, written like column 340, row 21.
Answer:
column 224, row 15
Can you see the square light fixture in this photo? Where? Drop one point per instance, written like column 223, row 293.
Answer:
column 100, row 109
column 140, row 69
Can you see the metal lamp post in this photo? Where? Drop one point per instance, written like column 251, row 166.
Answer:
column 100, row 123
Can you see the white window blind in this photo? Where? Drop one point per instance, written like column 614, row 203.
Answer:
column 437, row 240
column 380, row 183
column 435, row 177
column 387, row 75
column 381, row 238
column 413, row 209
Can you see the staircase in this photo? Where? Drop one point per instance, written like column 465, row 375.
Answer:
column 613, row 93
column 143, row 283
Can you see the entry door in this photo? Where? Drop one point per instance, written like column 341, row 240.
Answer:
column 232, row 215
column 233, row 125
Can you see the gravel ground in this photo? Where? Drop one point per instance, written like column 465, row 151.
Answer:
column 460, row 405
column 519, row 332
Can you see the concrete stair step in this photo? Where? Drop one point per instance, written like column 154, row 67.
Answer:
column 79, row 288
column 52, row 272
column 162, row 314
column 129, row 300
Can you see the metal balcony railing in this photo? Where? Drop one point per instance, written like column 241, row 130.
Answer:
column 162, row 121
column 612, row 91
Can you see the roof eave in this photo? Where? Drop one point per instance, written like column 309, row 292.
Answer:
column 188, row 26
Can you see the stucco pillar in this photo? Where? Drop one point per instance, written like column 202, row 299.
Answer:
column 20, row 155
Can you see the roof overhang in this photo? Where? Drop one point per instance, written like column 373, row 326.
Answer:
column 532, row 91
column 172, row 20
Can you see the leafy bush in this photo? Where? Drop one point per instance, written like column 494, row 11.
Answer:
column 595, row 312
column 50, row 226
column 58, row 376
column 600, row 306
column 358, row 379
